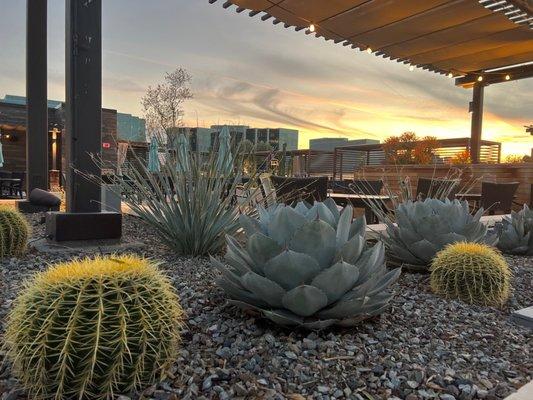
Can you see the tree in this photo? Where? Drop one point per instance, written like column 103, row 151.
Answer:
column 515, row 158
column 409, row 149
column 163, row 104
column 462, row 157
column 263, row 146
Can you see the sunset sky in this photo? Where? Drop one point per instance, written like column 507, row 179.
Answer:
column 252, row 72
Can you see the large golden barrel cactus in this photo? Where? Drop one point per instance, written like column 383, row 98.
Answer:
column 472, row 272
column 92, row 328
column 14, row 232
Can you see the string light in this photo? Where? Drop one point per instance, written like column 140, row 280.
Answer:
column 369, row 50
column 507, row 77
column 312, row 28
column 480, row 78
column 450, row 75
column 411, row 68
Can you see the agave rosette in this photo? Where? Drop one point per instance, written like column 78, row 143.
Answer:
column 423, row 228
column 515, row 233
column 306, row 266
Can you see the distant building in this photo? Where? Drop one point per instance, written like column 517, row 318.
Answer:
column 330, row 143
column 237, row 133
column 199, row 138
column 276, row 137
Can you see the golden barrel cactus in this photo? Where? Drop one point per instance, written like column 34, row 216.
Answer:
column 93, row 328
column 472, row 272
column 14, row 232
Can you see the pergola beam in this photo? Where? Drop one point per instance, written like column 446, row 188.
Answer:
column 498, row 76
column 36, row 96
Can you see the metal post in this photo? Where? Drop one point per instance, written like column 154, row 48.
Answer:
column 477, row 122
column 83, row 102
column 36, row 95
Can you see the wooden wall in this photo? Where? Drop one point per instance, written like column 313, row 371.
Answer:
column 520, row 172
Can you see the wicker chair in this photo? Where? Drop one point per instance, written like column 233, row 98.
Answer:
column 498, row 196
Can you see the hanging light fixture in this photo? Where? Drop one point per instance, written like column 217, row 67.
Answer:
column 480, row 78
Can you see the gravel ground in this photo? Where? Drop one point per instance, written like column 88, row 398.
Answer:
column 423, row 347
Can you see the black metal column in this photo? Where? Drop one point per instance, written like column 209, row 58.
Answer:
column 83, row 102
column 36, row 95
column 477, row 122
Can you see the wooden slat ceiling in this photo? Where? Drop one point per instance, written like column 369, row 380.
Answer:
column 445, row 36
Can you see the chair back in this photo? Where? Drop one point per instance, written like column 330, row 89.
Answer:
column 338, row 186
column 498, row 196
column 290, row 190
column 427, row 187
column 367, row 187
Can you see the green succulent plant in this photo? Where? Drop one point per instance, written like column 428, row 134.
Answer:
column 14, row 232
column 93, row 328
column 515, row 234
column 472, row 272
column 307, row 267
column 423, row 228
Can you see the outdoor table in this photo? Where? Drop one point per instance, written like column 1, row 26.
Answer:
column 360, row 201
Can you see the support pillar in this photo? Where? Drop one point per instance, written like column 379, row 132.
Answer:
column 477, row 122
column 83, row 220
column 36, row 96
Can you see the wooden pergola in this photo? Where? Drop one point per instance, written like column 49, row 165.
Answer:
column 478, row 42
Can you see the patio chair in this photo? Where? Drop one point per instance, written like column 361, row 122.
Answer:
column 4, row 185
column 290, row 190
column 498, row 196
column 17, row 188
column 267, row 189
column 431, row 187
column 367, row 187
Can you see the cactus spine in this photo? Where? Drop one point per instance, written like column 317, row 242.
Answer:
column 14, row 232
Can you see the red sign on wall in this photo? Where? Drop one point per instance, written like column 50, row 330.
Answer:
column 106, row 145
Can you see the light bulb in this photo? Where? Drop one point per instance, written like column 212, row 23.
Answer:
column 450, row 75
column 312, row 28
column 479, row 78
column 507, row 77
column 369, row 50
column 411, row 68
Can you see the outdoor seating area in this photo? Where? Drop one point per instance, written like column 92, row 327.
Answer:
column 203, row 252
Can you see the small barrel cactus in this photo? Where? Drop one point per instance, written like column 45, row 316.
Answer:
column 472, row 272
column 94, row 328
column 516, row 233
column 14, row 232
column 307, row 267
column 423, row 228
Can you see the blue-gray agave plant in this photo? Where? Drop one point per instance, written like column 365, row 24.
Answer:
column 306, row 267
column 423, row 228
column 516, row 233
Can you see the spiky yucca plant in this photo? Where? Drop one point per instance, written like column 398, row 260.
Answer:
column 472, row 272
column 307, row 267
column 423, row 228
column 92, row 328
column 516, row 233
column 14, row 232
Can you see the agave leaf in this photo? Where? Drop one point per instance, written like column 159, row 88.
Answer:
column 319, row 324
column 316, row 239
column 264, row 288
column 370, row 260
column 343, row 226
column 301, row 208
column 473, row 231
column 351, row 322
column 358, row 226
column 477, row 216
column 343, row 309
column 409, row 236
column 432, row 225
column 404, row 255
column 250, row 225
column 321, row 211
column 261, row 249
column 386, row 280
column 291, row 269
column 305, row 300
column 236, row 292
column 332, row 206
column 351, row 250
column 424, row 250
column 337, row 280
column 440, row 241
column 228, row 274
column 285, row 222
column 283, row 317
